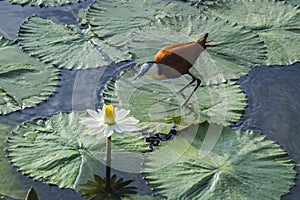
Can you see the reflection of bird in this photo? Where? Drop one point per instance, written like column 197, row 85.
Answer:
column 174, row 60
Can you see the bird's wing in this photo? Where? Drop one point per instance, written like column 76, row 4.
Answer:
column 187, row 51
column 171, row 47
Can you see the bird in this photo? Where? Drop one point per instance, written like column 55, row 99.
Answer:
column 173, row 61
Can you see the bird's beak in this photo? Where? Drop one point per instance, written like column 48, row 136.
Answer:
column 140, row 74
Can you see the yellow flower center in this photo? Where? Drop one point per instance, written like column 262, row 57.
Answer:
column 109, row 114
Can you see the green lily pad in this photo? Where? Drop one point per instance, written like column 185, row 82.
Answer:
column 278, row 24
column 24, row 81
column 240, row 165
column 5, row 42
column 12, row 183
column 57, row 151
column 295, row 2
column 43, row 2
column 234, row 51
column 108, row 18
column 156, row 104
column 65, row 45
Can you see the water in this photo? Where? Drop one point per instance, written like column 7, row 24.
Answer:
column 273, row 96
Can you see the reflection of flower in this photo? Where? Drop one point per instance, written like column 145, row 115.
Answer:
column 103, row 123
column 95, row 189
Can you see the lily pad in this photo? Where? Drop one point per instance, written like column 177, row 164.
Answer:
column 12, row 183
column 234, row 51
column 108, row 18
column 57, row 151
column 5, row 42
column 277, row 22
column 241, row 165
column 24, row 81
column 43, row 2
column 156, row 104
column 65, row 45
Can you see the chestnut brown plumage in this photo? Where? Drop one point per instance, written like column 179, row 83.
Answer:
column 175, row 60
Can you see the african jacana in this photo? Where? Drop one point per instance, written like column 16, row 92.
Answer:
column 173, row 61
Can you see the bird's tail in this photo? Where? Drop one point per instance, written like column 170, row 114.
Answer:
column 202, row 41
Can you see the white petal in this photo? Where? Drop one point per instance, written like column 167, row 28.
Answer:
column 117, row 128
column 100, row 135
column 126, row 127
column 92, row 131
column 90, row 122
column 121, row 114
column 109, row 131
column 94, row 114
column 129, row 121
column 100, row 112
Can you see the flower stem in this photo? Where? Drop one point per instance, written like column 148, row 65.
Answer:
column 108, row 162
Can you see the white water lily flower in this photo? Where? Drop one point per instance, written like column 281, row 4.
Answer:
column 109, row 120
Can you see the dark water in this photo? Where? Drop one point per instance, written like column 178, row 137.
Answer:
column 273, row 97
column 274, row 109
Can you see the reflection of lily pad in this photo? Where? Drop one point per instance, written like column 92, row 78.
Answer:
column 58, row 152
column 24, row 81
column 277, row 23
column 156, row 105
column 240, row 165
column 43, row 2
column 64, row 45
column 109, row 18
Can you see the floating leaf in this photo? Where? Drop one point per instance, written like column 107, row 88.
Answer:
column 5, row 42
column 234, row 52
column 64, row 45
column 12, row 183
column 43, row 2
column 24, row 81
column 58, row 152
column 295, row 2
column 276, row 22
column 156, row 104
column 240, row 165
column 109, row 18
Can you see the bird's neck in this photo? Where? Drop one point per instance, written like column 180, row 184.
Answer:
column 153, row 72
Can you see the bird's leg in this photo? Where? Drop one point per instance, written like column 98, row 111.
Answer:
column 198, row 84
column 180, row 90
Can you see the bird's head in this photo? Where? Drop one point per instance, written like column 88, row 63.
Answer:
column 146, row 68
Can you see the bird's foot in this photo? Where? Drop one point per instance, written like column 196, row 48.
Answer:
column 184, row 104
